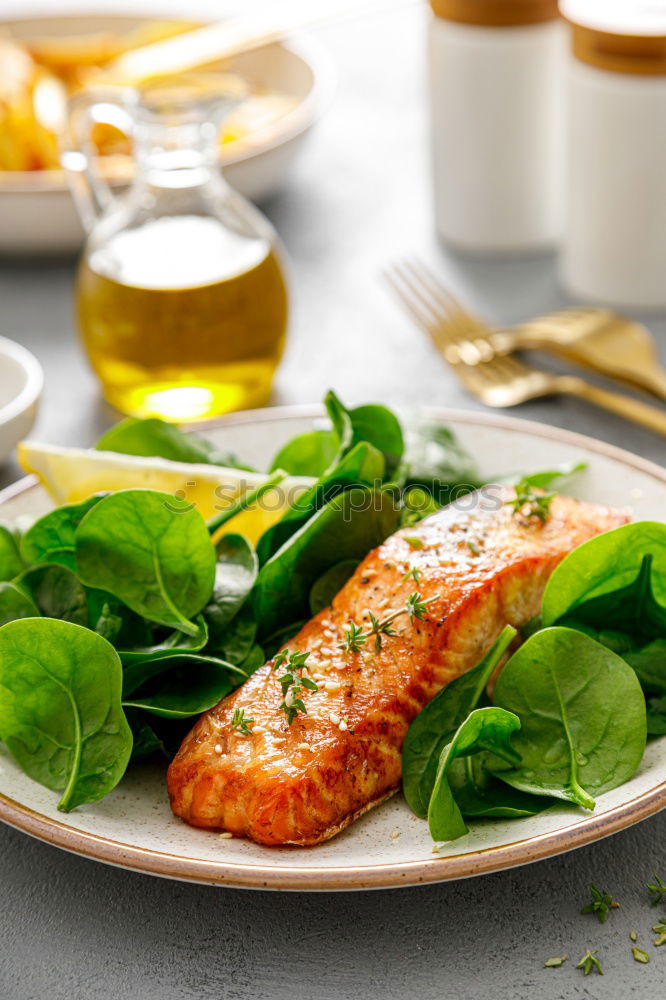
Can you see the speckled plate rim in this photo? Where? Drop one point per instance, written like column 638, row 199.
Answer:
column 379, row 876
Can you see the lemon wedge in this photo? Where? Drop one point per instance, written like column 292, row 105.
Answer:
column 73, row 474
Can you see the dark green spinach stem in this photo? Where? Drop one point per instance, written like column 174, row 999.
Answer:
column 245, row 501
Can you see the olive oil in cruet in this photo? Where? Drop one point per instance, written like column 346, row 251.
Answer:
column 180, row 294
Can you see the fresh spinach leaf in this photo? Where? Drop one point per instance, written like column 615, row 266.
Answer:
column 379, row 426
column 174, row 642
column 280, row 637
column 479, row 793
column 319, row 451
column 544, row 479
column 529, row 628
column 362, row 466
column 178, row 687
column 152, row 552
column 11, row 563
column 308, row 454
column 656, row 716
column 15, row 603
column 145, row 741
column 649, row 662
column 235, row 574
column 329, row 584
column 152, row 437
column 434, row 727
column 60, row 711
column 51, row 538
column 341, row 421
column 314, row 453
column 484, row 729
column 582, row 716
column 633, row 609
column 237, row 639
column 136, row 674
column 254, row 659
column 371, row 424
column 346, row 528
column 613, row 564
column 114, row 621
column 617, row 641
column 417, row 503
column 108, row 622
column 57, row 592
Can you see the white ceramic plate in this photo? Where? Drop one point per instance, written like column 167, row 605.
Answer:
column 36, row 211
column 134, row 828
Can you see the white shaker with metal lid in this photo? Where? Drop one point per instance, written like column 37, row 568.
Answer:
column 615, row 230
column 496, row 81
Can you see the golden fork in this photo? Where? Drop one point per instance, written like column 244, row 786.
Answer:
column 497, row 381
column 596, row 338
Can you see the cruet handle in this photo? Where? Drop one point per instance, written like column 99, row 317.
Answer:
column 90, row 187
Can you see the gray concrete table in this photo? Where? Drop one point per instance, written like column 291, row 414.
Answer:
column 71, row 928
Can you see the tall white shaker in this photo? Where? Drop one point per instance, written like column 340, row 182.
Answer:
column 614, row 248
column 496, row 72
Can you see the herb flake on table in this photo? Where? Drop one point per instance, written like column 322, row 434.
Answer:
column 658, row 890
column 590, row 961
column 640, row 956
column 601, row 904
column 556, row 962
column 660, row 930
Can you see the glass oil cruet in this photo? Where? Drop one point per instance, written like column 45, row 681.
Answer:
column 180, row 294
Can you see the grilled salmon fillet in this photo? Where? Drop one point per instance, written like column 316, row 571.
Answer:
column 303, row 783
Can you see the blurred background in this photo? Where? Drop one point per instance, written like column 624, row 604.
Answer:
column 364, row 141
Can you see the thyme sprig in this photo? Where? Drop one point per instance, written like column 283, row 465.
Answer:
column 658, row 889
column 293, row 683
column 241, row 723
column 355, row 636
column 528, row 503
column 602, row 903
column 589, row 961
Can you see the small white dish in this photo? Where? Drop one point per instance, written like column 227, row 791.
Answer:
column 37, row 214
column 21, row 384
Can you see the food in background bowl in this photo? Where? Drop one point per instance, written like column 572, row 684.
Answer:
column 38, row 74
column 37, row 214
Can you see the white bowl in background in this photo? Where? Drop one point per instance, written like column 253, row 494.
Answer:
column 21, row 384
column 37, row 214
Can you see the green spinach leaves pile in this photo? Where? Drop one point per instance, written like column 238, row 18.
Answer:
column 122, row 619
column 573, row 706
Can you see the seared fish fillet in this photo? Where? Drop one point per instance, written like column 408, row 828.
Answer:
column 303, row 783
